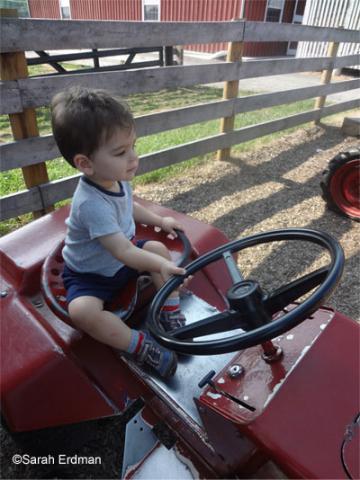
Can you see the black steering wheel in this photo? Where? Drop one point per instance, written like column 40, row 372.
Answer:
column 249, row 307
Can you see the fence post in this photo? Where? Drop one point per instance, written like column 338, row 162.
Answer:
column 326, row 76
column 231, row 89
column 23, row 125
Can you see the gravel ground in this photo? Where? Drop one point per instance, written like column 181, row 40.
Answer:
column 275, row 186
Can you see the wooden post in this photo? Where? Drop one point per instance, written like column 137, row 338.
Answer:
column 23, row 125
column 231, row 89
column 326, row 76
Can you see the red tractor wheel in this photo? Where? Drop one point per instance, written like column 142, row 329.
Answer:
column 341, row 184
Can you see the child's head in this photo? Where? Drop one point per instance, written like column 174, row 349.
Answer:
column 83, row 119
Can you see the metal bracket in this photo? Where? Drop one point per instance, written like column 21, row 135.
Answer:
column 139, row 441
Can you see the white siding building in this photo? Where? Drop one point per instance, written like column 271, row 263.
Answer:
column 331, row 13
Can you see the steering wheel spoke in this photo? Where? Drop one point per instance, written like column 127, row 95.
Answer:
column 219, row 323
column 283, row 296
column 232, row 267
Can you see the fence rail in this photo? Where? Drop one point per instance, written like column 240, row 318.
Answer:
column 37, row 92
column 21, row 94
column 38, row 34
column 40, row 149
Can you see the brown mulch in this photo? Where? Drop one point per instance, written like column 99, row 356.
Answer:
column 275, row 186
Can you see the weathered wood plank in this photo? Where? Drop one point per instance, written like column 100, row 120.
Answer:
column 265, row 100
column 332, row 49
column 25, row 201
column 19, row 203
column 225, row 140
column 10, row 97
column 200, row 147
column 23, row 124
column 36, row 92
column 263, row 68
column 258, row 31
column 181, row 117
column 39, row 149
column 340, row 107
column 37, row 197
column 39, row 91
column 58, row 190
column 230, row 90
column 27, row 152
column 39, row 34
column 346, row 61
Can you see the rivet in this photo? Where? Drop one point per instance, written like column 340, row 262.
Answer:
column 4, row 293
column 235, row 370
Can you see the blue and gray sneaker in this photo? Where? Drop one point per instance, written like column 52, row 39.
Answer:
column 162, row 360
column 172, row 319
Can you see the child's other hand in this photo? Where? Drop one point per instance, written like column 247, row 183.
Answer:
column 169, row 224
column 168, row 269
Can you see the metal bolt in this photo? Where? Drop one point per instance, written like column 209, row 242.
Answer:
column 235, row 371
column 4, row 293
column 38, row 303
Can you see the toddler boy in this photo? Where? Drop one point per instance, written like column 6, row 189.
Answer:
column 95, row 133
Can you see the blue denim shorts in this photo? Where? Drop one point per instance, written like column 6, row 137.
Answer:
column 95, row 285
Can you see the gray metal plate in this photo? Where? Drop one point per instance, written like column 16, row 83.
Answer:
column 191, row 369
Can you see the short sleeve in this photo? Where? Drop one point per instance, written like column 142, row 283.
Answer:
column 99, row 219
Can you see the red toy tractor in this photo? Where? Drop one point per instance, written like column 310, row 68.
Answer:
column 341, row 184
column 266, row 380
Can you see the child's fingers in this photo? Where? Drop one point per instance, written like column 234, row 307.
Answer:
column 187, row 281
column 179, row 271
column 184, row 285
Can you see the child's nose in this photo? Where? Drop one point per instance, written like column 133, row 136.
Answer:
column 134, row 156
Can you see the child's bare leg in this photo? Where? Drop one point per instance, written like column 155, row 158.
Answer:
column 88, row 314
column 160, row 249
column 171, row 316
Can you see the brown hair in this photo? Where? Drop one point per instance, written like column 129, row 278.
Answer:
column 83, row 118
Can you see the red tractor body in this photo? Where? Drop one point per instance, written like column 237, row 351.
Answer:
column 54, row 375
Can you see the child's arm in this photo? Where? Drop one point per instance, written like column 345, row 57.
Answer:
column 122, row 249
column 143, row 215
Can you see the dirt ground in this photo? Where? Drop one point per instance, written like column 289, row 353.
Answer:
column 276, row 186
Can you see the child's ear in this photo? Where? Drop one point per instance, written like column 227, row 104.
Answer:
column 83, row 163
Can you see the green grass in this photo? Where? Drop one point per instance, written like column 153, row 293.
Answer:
column 142, row 104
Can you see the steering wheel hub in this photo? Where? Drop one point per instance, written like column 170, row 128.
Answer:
column 244, row 292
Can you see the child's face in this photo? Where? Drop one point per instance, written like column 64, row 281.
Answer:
column 116, row 159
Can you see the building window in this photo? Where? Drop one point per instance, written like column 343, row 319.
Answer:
column 65, row 9
column 151, row 10
column 274, row 10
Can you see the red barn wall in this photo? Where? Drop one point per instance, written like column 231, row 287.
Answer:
column 44, row 9
column 255, row 11
column 106, row 9
column 201, row 10
column 175, row 10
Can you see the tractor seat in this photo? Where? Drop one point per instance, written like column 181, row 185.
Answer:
column 133, row 298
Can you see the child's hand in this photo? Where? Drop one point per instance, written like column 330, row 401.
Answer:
column 168, row 269
column 169, row 224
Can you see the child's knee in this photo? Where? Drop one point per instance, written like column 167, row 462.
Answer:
column 85, row 313
column 157, row 247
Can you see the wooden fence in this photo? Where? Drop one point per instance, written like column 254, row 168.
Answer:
column 21, row 95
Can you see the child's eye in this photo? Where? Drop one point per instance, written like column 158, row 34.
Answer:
column 119, row 154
